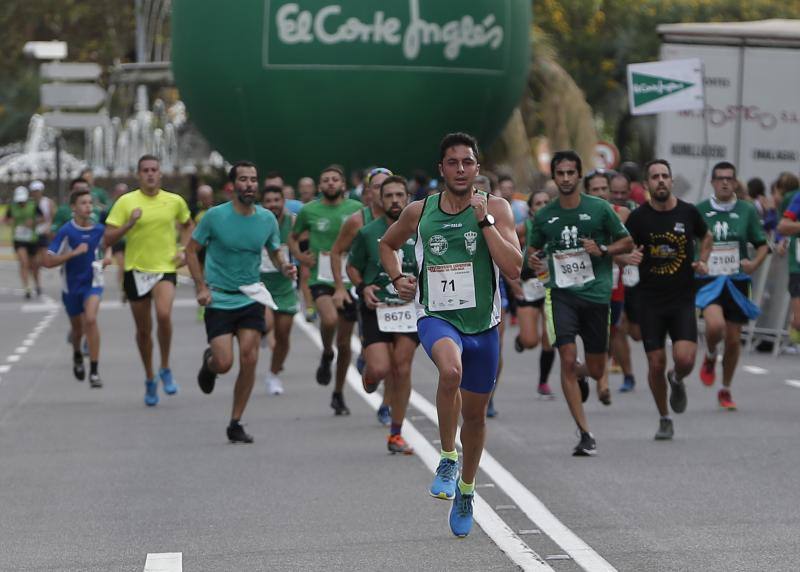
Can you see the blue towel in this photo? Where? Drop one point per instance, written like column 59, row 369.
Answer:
column 713, row 289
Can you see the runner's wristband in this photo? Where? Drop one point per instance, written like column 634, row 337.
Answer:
column 360, row 289
column 396, row 278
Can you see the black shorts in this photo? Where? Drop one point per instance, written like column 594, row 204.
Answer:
column 44, row 241
column 372, row 334
column 118, row 246
column 632, row 305
column 30, row 247
column 221, row 322
column 730, row 309
column 658, row 319
column 525, row 304
column 794, row 285
column 569, row 316
column 303, row 245
column 349, row 312
column 129, row 285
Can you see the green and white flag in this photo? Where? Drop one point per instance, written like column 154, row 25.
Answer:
column 671, row 85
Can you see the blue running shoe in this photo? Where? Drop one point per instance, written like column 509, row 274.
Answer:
column 490, row 410
column 151, row 393
column 361, row 363
column 628, row 383
column 444, row 483
column 384, row 415
column 461, row 514
column 170, row 387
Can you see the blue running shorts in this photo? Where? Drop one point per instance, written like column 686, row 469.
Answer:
column 480, row 353
column 74, row 303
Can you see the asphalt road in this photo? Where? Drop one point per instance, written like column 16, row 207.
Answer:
column 94, row 480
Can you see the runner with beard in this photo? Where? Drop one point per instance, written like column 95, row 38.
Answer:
column 322, row 219
column 579, row 235
column 464, row 239
column 388, row 322
column 372, row 210
column 666, row 228
column 229, row 286
column 281, row 288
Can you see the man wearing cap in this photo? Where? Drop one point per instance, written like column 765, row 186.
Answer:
column 23, row 215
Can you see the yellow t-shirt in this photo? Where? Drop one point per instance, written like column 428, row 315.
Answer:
column 150, row 245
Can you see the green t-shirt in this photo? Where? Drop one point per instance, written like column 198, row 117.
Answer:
column 458, row 280
column 100, row 196
column 233, row 251
column 323, row 221
column 792, row 252
column 23, row 217
column 559, row 231
column 275, row 281
column 732, row 229
column 64, row 214
column 365, row 257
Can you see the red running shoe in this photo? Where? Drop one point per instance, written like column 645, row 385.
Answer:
column 725, row 400
column 707, row 373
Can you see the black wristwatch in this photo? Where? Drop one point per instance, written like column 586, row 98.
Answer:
column 488, row 220
column 603, row 250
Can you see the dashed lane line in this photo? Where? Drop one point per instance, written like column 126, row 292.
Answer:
column 164, row 562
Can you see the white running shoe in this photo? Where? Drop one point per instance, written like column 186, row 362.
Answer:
column 274, row 385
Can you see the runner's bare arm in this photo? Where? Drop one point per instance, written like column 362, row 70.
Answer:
column 196, row 270
column 522, row 235
column 305, row 258
column 501, row 237
column 287, row 268
column 788, row 227
column 751, row 265
column 52, row 260
column 701, row 265
column 396, row 235
column 342, row 244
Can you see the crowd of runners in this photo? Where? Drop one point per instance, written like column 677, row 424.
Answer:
column 584, row 261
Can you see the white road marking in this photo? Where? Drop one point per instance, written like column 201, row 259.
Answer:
column 755, row 370
column 4, row 368
column 29, row 341
column 164, row 562
column 21, row 350
column 500, row 533
column 13, row 358
column 793, row 383
column 583, row 554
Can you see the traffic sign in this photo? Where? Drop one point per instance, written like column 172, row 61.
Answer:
column 70, row 71
column 606, row 155
column 75, row 95
column 670, row 85
column 61, row 120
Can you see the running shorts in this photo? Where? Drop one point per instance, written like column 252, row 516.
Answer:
column 730, row 309
column 480, row 353
column 372, row 334
column 632, row 304
column 349, row 312
column 282, row 290
column 657, row 320
column 31, row 247
column 74, row 303
column 617, row 307
column 221, row 322
column 129, row 285
column 570, row 316
column 794, row 285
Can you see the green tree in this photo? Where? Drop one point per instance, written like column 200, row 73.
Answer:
column 95, row 31
column 596, row 39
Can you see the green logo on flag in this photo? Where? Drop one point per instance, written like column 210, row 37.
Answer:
column 647, row 88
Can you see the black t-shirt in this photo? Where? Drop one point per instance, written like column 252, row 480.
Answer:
column 666, row 274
